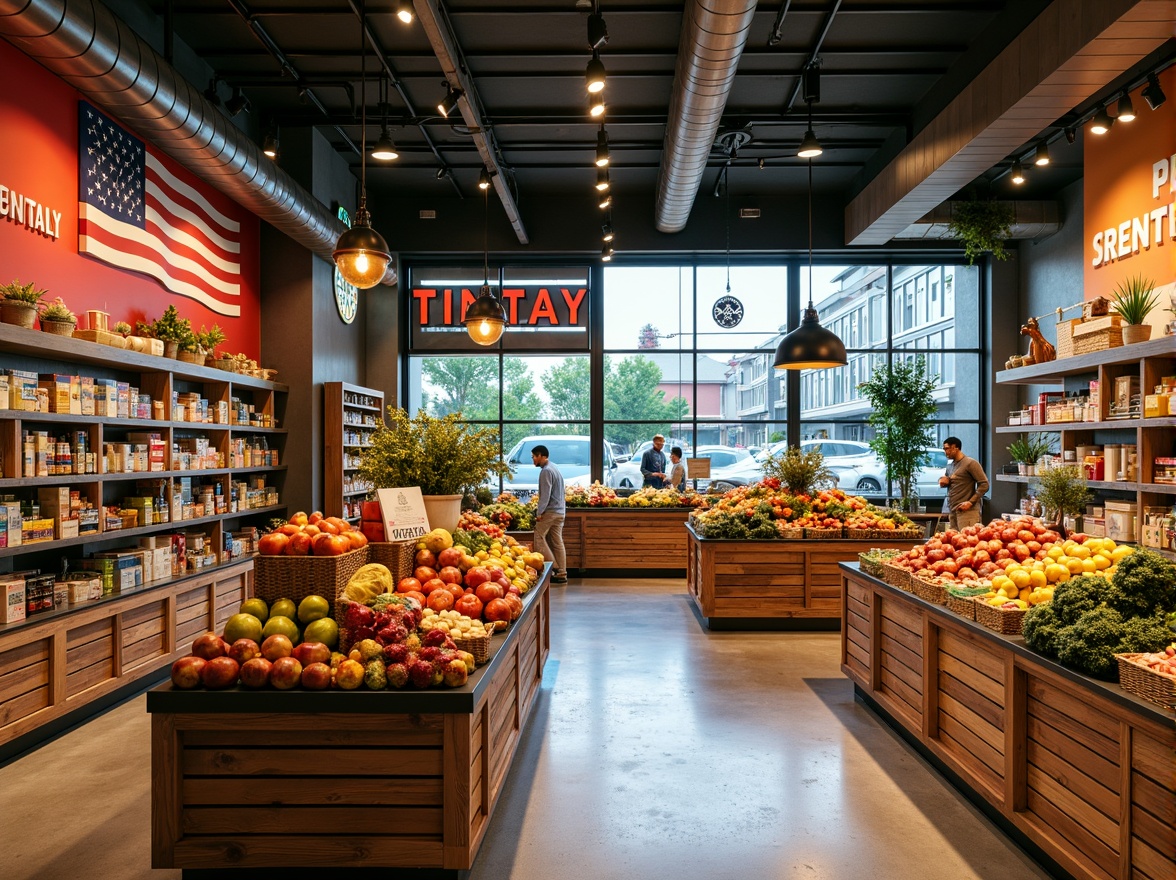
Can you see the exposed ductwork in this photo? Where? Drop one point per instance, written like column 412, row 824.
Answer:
column 90, row 48
column 714, row 33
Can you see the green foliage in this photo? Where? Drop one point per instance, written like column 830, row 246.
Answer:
column 982, row 227
column 472, row 540
column 1041, row 626
column 511, row 515
column 757, row 524
column 25, row 293
column 1031, row 447
column 1141, row 634
column 1134, row 299
column 1143, row 584
column 1089, row 644
column 170, row 327
column 901, row 404
column 122, row 328
column 470, row 385
column 1062, row 490
column 58, row 311
column 444, row 456
column 210, row 339
column 801, row 473
column 1075, row 597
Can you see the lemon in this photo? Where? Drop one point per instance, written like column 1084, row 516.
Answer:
column 1074, row 565
column 1037, row 578
column 1089, row 565
column 1055, row 552
column 260, row 610
column 313, row 608
column 1121, row 553
column 1101, row 562
column 1081, row 551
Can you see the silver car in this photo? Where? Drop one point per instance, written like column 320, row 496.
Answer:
column 570, row 453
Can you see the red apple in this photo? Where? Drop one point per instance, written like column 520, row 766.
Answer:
column 209, row 646
column 487, row 591
column 331, row 544
column 469, row 605
column 477, row 576
column 515, row 603
column 311, row 652
column 276, row 647
column 502, row 580
column 450, row 574
column 255, row 673
column 457, row 590
column 450, row 556
column 426, row 558
column 349, row 675
column 496, row 610
column 244, row 650
column 220, row 673
column 424, row 573
column 432, row 584
column 408, row 585
column 512, row 590
column 440, row 600
column 316, row 677
column 286, row 673
column 186, row 672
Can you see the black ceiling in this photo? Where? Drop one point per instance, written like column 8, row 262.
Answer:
column 887, row 67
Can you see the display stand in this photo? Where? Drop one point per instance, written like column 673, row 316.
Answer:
column 1080, row 769
column 628, row 539
column 342, row 779
column 739, row 584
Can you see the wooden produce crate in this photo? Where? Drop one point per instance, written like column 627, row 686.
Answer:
column 1084, row 336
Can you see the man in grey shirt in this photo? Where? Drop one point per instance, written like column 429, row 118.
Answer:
column 549, row 515
column 966, row 484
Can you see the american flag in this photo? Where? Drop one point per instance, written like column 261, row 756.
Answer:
column 135, row 214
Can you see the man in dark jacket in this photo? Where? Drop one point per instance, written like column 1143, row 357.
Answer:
column 653, row 463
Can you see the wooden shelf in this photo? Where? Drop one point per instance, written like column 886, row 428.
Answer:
column 1113, row 485
column 75, row 479
column 1055, row 371
column 1058, row 427
column 336, row 449
column 347, row 405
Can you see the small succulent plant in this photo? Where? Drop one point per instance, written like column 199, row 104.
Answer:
column 58, row 311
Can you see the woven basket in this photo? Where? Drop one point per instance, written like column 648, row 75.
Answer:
column 58, row 328
column 824, row 534
column 479, row 647
column 867, row 534
column 791, row 534
column 896, row 577
column 396, row 556
column 928, row 591
column 1146, row 683
column 870, row 565
column 296, row 577
column 1003, row 620
column 961, row 605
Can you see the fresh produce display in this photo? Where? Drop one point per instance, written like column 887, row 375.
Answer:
column 1092, row 617
column 597, row 495
column 511, row 514
column 1163, row 662
column 311, row 535
column 281, row 646
column 764, row 511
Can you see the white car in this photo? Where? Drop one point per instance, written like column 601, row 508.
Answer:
column 628, row 475
column 570, row 453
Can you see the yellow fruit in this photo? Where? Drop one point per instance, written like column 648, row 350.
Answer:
column 1021, row 578
column 1024, row 594
column 1081, row 551
column 1074, row 565
column 1101, row 562
column 370, row 581
column 1088, row 565
column 438, row 540
column 1037, row 578
column 278, row 625
column 482, row 555
column 1055, row 552
column 260, row 610
column 1057, row 573
column 1021, row 603
column 284, row 608
column 313, row 608
column 243, row 626
column 1001, row 581
column 1121, row 553
column 322, row 630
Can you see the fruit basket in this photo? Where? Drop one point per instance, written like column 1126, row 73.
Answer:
column 824, row 534
column 896, row 577
column 929, row 589
column 1146, row 683
column 1006, row 621
column 790, row 534
column 479, row 647
column 296, row 577
column 397, row 556
column 959, row 599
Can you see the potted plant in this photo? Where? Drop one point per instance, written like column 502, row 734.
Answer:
column 1134, row 300
column 20, row 303
column 801, row 473
column 1026, row 451
column 171, row 329
column 902, row 403
column 1062, row 491
column 444, row 456
column 122, row 328
column 190, row 350
column 57, row 318
column 983, row 227
column 210, row 339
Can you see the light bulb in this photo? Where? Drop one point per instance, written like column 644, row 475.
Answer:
column 361, row 263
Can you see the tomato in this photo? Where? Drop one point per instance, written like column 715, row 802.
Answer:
column 431, row 585
column 487, row 591
column 450, row 574
column 440, row 600
column 497, row 609
column 408, row 584
column 469, row 605
column 424, row 573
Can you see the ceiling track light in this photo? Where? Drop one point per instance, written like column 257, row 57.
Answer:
column 1125, row 112
column 361, row 255
column 606, row 253
column 449, row 102
column 211, row 94
column 483, row 179
column 1018, row 175
column 597, row 31
column 605, row 201
column 594, row 74
column 1102, row 121
column 1152, row 93
column 607, row 233
column 404, row 11
column 596, row 105
column 271, row 146
column 602, row 183
column 603, row 156
column 237, row 104
column 1041, row 157
column 1071, row 135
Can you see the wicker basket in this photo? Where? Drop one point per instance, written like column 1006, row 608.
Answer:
column 824, row 534
column 896, row 577
column 1004, row 620
column 929, row 591
column 1080, row 336
column 870, row 565
column 296, row 577
column 791, row 534
column 867, row 534
column 58, row 328
column 479, row 647
column 1146, row 683
column 396, row 556
column 961, row 605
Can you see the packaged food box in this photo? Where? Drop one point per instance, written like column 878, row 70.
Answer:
column 12, row 599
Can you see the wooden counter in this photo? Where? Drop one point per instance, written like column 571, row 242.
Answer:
column 61, row 661
column 1081, row 769
column 628, row 538
column 754, row 583
column 342, row 779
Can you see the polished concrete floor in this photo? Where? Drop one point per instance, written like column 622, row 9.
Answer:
column 657, row 750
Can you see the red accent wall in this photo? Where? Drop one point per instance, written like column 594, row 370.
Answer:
column 38, row 158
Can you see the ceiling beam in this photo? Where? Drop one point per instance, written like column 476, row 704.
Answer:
column 775, row 53
column 1065, row 55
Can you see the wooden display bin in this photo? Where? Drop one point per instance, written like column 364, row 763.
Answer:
column 751, row 583
column 1081, row 768
column 633, row 539
column 341, row 780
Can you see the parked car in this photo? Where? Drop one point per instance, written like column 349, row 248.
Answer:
column 722, row 458
column 619, row 451
column 570, row 453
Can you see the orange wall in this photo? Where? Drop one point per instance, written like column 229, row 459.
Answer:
column 1130, row 178
column 38, row 158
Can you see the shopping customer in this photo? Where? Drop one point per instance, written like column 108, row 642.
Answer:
column 653, row 464
column 549, row 515
column 677, row 478
column 966, row 484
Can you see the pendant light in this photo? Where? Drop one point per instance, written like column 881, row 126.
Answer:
column 361, row 254
column 1018, row 175
column 485, row 319
column 385, row 148
column 603, row 156
column 810, row 147
column 404, row 11
column 810, row 346
column 727, row 180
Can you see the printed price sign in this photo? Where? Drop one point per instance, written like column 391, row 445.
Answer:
column 403, row 512
column 698, row 468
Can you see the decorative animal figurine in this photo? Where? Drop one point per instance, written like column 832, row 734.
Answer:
column 1040, row 350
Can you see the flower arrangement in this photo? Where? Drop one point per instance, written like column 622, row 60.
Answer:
column 801, row 473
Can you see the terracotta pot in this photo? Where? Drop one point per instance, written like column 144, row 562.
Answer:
column 22, row 314
column 59, row 328
column 1133, row 333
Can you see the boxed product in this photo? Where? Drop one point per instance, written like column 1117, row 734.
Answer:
column 124, row 569
column 123, row 390
column 4, row 401
column 38, row 592
column 86, row 394
column 1125, row 388
column 156, row 449
column 36, row 531
column 1120, row 519
column 22, row 390
column 64, row 392
column 12, row 512
column 106, row 398
column 12, row 598
column 1155, row 406
column 82, row 586
column 157, row 559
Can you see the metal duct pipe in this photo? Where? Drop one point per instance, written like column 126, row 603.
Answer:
column 90, row 48
column 714, row 33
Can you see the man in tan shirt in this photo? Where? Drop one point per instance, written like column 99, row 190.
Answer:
column 966, row 484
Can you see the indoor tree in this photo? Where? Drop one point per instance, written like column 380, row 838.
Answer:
column 902, row 403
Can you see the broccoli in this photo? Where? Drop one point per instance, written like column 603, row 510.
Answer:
column 1143, row 584
column 1040, row 627
column 1144, row 634
column 1073, row 598
column 1090, row 644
